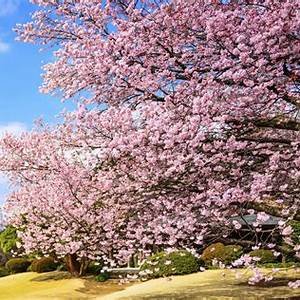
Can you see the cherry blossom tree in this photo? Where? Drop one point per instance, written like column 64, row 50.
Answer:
column 54, row 204
column 188, row 115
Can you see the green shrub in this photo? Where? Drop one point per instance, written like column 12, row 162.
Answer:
column 61, row 267
column 8, row 239
column 17, row 265
column 212, row 252
column 232, row 253
column 266, row 256
column 287, row 250
column 174, row 263
column 221, row 253
column 102, row 277
column 94, row 268
column 296, row 231
column 45, row 264
column 4, row 272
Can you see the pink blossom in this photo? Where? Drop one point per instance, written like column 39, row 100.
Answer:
column 294, row 284
column 287, row 230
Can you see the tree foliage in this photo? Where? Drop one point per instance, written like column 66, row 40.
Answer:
column 8, row 239
column 188, row 115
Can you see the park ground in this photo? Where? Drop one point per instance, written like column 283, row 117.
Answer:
column 213, row 284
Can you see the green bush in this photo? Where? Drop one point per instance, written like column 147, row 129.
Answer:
column 4, row 272
column 94, row 268
column 102, row 277
column 296, row 231
column 287, row 249
column 221, row 253
column 45, row 264
column 266, row 256
column 212, row 252
column 17, row 265
column 174, row 263
column 8, row 239
column 61, row 267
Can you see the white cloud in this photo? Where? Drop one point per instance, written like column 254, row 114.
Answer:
column 4, row 47
column 8, row 7
column 14, row 127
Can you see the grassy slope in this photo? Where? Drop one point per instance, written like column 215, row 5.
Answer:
column 20, row 286
column 214, row 284
column 33, row 286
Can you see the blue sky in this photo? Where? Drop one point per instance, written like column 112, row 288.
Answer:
column 20, row 70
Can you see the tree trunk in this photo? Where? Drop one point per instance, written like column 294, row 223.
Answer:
column 76, row 267
column 84, row 263
column 73, row 265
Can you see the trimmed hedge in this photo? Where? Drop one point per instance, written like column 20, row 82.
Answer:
column 4, row 272
column 17, row 265
column 221, row 253
column 45, row 264
column 162, row 264
column 266, row 256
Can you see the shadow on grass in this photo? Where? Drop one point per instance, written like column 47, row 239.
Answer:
column 52, row 276
column 276, row 290
column 275, row 282
column 218, row 295
column 91, row 287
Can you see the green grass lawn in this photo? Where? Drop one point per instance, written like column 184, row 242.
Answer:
column 212, row 284
column 54, row 286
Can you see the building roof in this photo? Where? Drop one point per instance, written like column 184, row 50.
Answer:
column 250, row 219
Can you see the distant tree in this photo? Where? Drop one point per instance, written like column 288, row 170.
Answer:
column 8, row 240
